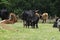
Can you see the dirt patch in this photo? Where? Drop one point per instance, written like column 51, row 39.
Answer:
column 4, row 26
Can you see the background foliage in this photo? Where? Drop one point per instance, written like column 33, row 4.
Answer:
column 17, row 6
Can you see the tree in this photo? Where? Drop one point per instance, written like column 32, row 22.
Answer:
column 17, row 6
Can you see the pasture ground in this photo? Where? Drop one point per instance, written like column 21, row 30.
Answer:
column 44, row 32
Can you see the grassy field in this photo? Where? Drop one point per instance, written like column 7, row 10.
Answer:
column 44, row 32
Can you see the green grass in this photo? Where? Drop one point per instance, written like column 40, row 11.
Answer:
column 44, row 32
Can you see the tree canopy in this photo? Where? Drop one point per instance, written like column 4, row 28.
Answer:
column 17, row 6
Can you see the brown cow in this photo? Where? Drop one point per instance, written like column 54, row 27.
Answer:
column 44, row 17
column 12, row 19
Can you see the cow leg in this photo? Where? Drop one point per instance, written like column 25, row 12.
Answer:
column 24, row 24
column 33, row 25
column 36, row 25
column 45, row 20
column 59, row 27
column 27, row 25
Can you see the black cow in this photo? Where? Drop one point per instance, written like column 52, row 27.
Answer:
column 55, row 23
column 34, row 22
column 4, row 14
column 30, row 18
column 26, row 17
